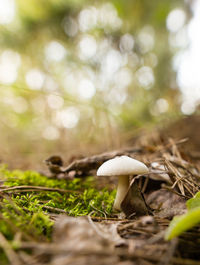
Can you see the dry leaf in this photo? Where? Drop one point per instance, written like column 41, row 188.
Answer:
column 84, row 242
column 134, row 203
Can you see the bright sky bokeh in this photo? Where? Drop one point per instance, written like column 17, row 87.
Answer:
column 188, row 76
column 7, row 11
column 118, row 66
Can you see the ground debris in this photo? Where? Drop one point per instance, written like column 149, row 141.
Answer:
column 133, row 242
column 80, row 241
column 172, row 179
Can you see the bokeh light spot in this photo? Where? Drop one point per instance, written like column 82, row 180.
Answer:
column 86, row 89
column 55, row 51
column 123, row 78
column 145, row 77
column 162, row 105
column 175, row 20
column 188, row 107
column 126, row 43
column 70, row 26
column 87, row 47
column 87, row 19
column 112, row 62
column 9, row 63
column 108, row 17
column 68, row 117
column 35, row 79
column 55, row 101
column 146, row 39
column 51, row 133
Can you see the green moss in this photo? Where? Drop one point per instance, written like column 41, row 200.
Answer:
column 29, row 212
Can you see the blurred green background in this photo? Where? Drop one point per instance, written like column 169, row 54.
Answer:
column 78, row 76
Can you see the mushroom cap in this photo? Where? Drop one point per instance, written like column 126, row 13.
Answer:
column 122, row 165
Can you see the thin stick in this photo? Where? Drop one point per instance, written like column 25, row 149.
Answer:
column 97, row 218
column 52, row 209
column 175, row 192
column 39, row 188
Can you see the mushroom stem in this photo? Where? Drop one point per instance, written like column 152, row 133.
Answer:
column 122, row 187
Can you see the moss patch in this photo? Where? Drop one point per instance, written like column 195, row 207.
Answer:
column 30, row 212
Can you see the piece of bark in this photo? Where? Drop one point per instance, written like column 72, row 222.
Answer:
column 93, row 162
column 83, row 167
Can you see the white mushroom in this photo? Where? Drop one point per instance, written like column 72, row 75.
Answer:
column 122, row 167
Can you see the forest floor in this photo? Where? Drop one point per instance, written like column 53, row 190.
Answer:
column 67, row 218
